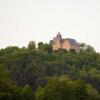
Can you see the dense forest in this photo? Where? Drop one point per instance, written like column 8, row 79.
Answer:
column 31, row 73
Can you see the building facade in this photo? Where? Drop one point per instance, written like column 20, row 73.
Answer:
column 59, row 43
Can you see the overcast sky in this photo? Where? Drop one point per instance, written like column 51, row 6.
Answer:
column 40, row 20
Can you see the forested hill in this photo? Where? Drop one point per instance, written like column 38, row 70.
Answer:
column 42, row 74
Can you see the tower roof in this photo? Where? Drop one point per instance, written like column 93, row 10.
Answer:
column 59, row 35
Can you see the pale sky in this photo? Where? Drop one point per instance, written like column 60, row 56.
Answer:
column 40, row 20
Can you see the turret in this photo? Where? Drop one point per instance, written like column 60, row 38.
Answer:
column 59, row 35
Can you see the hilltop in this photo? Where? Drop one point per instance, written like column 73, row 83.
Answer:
column 42, row 73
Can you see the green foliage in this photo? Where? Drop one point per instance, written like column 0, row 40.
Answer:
column 7, row 87
column 31, row 45
column 34, row 66
column 45, row 47
column 28, row 93
column 40, row 45
column 66, row 90
column 54, row 90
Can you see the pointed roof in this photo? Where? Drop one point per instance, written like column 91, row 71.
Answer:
column 59, row 35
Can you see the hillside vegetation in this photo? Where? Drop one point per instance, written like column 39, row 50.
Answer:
column 43, row 74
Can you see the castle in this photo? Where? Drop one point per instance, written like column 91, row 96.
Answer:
column 68, row 44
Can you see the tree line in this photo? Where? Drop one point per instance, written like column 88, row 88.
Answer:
column 31, row 73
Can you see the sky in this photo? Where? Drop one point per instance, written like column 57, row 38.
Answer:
column 40, row 20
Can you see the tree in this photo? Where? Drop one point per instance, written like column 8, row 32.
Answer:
column 45, row 47
column 31, row 45
column 28, row 93
column 40, row 45
column 5, row 84
column 79, row 90
column 54, row 90
column 90, row 49
column 8, row 90
column 86, row 48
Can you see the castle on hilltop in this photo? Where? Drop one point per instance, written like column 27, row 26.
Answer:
column 68, row 44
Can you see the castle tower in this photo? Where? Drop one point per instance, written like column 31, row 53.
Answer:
column 59, row 35
column 59, row 43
